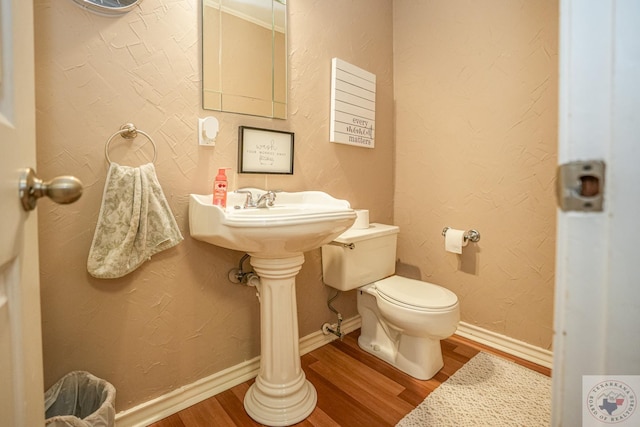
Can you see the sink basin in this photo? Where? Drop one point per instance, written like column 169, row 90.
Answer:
column 298, row 222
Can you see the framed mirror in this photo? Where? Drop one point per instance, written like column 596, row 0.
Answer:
column 244, row 57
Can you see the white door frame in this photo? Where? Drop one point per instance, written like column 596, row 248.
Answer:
column 597, row 303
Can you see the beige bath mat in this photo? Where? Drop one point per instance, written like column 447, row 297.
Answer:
column 486, row 391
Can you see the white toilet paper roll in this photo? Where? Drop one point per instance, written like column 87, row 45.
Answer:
column 454, row 241
column 362, row 219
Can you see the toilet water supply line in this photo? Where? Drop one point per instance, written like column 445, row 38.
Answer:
column 335, row 328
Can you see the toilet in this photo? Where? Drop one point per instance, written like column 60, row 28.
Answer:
column 403, row 320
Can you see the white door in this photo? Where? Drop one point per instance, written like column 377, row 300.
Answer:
column 597, row 306
column 21, row 380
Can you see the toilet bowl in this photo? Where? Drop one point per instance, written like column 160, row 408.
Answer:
column 403, row 320
column 407, row 334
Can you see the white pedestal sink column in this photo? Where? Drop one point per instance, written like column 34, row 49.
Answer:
column 281, row 395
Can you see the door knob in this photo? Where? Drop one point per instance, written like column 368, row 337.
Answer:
column 62, row 190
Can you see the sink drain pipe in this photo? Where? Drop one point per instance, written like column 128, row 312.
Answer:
column 334, row 329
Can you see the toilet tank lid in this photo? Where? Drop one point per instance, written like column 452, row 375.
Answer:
column 353, row 235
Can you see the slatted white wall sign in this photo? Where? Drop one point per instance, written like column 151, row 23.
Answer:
column 353, row 105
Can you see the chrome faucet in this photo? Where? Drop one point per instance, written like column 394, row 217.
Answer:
column 266, row 200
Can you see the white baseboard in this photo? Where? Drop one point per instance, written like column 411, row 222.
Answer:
column 504, row 343
column 177, row 400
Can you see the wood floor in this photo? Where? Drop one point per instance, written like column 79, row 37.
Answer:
column 354, row 388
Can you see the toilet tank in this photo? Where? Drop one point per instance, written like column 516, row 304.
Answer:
column 372, row 258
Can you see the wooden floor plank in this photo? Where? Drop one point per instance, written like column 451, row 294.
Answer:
column 208, row 412
column 340, row 362
column 344, row 409
column 468, row 343
column 171, row 421
column 234, row 408
column 350, row 347
column 241, row 390
column 354, row 388
column 371, row 397
column 319, row 418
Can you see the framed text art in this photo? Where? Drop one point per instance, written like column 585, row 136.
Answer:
column 265, row 151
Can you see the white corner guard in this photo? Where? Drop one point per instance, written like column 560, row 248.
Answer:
column 188, row 395
column 504, row 343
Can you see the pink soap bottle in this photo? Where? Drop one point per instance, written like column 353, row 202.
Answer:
column 220, row 189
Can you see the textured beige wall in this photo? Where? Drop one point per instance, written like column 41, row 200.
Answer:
column 177, row 319
column 475, row 86
column 475, row 93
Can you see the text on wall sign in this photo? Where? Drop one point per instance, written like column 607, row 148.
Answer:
column 353, row 105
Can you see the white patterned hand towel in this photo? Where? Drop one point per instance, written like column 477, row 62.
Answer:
column 135, row 222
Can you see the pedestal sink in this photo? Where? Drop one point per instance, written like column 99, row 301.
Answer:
column 276, row 238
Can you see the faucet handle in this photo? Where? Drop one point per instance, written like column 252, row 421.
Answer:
column 248, row 203
column 271, row 198
column 266, row 200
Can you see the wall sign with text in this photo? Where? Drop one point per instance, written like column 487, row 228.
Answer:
column 353, row 105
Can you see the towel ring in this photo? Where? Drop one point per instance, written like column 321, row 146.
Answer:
column 129, row 131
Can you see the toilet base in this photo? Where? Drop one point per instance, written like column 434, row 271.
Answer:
column 420, row 357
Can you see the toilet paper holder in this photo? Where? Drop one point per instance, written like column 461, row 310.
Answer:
column 471, row 235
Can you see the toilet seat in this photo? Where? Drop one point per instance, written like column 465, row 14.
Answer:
column 416, row 294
